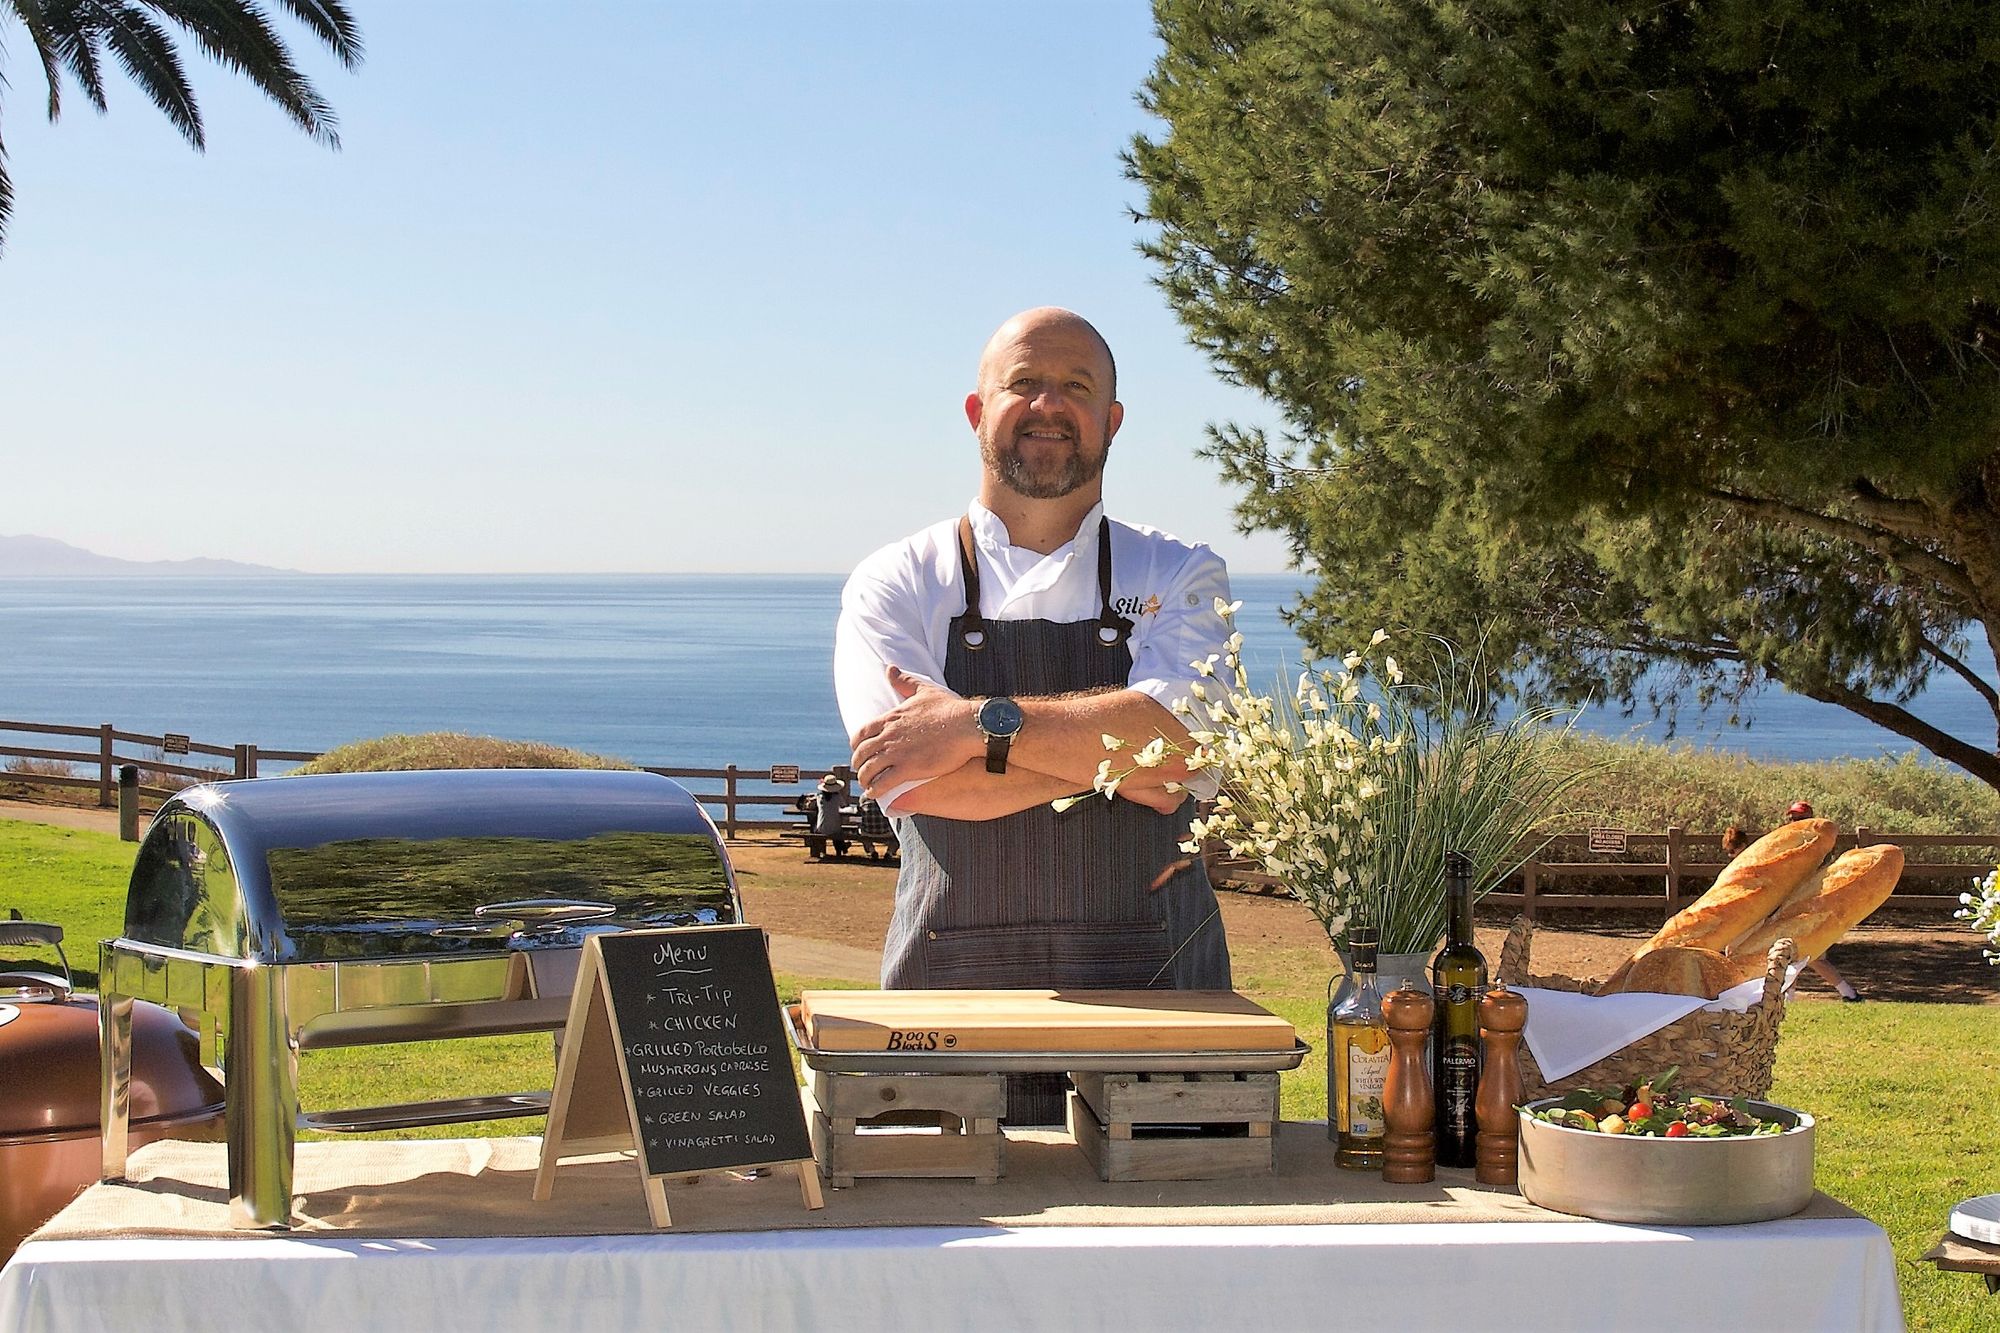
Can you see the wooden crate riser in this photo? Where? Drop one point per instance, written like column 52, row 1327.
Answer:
column 1179, row 1099
column 848, row 1152
column 906, row 1125
column 1157, row 1153
column 867, row 1096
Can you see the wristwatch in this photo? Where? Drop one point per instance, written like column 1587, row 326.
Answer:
column 999, row 721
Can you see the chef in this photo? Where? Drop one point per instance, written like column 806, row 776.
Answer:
column 979, row 666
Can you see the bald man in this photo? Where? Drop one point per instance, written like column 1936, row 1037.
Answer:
column 979, row 664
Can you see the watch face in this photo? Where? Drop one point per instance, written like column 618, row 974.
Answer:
column 1000, row 717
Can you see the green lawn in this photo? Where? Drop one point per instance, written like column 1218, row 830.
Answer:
column 1904, row 1093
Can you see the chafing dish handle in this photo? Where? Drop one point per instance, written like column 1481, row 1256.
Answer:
column 528, row 916
column 547, row 913
column 15, row 932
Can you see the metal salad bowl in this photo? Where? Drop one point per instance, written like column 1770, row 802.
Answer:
column 1689, row 1181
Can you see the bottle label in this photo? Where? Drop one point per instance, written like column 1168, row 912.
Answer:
column 1459, row 1061
column 1458, row 993
column 1366, row 1074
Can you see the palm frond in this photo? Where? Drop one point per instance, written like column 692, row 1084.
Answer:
column 238, row 35
column 6, row 192
column 332, row 24
column 148, row 55
column 32, row 17
column 73, row 39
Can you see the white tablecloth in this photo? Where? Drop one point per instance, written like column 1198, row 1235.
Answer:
column 1817, row 1274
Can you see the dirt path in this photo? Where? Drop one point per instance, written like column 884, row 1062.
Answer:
column 62, row 816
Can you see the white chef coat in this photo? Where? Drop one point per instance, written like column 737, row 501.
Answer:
column 898, row 606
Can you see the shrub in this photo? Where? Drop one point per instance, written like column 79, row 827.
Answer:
column 451, row 749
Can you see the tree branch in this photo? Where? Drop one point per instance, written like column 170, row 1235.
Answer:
column 1982, row 764
column 1889, row 545
column 1967, row 674
column 1908, row 519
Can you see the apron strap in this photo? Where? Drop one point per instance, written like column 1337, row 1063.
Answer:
column 1112, row 628
column 972, row 628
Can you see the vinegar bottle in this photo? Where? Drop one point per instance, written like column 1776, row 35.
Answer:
column 1360, row 1060
column 1458, row 979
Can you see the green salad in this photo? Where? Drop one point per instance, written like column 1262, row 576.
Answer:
column 1653, row 1109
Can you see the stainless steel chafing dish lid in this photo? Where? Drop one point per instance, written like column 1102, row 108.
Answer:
column 398, row 865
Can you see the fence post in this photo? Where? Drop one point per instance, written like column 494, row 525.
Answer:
column 1860, row 835
column 128, row 803
column 1674, row 836
column 105, row 742
column 729, row 802
column 249, row 759
column 1531, row 874
column 242, row 761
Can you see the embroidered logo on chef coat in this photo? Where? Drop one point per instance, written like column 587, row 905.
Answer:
column 1133, row 606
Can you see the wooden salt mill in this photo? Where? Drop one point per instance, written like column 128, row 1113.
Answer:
column 1502, row 1015
column 1409, row 1107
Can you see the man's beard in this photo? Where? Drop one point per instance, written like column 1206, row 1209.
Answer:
column 1050, row 481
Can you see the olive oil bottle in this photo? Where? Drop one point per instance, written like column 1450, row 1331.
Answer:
column 1458, row 979
column 1359, row 1056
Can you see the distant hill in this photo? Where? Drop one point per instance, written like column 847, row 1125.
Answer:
column 45, row 557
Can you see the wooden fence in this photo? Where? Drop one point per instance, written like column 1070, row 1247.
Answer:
column 161, row 774
column 1681, row 867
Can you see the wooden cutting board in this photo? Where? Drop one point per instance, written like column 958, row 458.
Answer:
column 1039, row 1020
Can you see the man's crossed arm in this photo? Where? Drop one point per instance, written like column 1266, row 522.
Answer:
column 930, row 738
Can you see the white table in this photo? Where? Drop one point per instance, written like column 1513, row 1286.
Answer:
column 1815, row 1274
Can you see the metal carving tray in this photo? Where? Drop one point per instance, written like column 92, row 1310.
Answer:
column 1041, row 1062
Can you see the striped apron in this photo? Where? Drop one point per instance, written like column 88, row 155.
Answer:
column 1100, row 896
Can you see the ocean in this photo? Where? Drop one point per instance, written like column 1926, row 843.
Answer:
column 689, row 670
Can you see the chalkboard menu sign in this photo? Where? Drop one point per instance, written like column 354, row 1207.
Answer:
column 675, row 1048
column 704, row 1048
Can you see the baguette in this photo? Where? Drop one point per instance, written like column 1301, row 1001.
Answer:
column 1856, row 884
column 1747, row 891
column 1676, row 970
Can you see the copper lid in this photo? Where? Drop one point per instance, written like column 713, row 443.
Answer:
column 49, row 1073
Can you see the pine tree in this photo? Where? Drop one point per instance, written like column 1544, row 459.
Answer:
column 1640, row 337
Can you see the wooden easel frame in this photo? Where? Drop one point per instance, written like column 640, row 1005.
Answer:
column 584, row 1115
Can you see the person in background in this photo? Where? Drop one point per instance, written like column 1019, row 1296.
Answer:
column 878, row 836
column 826, row 816
column 1734, row 840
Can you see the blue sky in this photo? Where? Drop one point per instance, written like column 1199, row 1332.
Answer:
column 590, row 287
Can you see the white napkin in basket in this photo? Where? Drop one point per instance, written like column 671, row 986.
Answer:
column 1568, row 1030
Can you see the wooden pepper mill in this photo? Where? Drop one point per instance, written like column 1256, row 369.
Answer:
column 1502, row 1015
column 1409, row 1107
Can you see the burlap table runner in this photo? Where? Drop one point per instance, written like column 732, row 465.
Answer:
column 481, row 1187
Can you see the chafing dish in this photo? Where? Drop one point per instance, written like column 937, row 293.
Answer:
column 287, row 914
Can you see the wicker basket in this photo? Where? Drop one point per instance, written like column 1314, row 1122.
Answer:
column 1719, row 1054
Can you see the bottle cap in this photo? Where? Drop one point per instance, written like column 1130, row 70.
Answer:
column 1362, row 942
column 1459, row 864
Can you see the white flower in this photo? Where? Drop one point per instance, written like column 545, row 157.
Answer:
column 1352, row 661
column 1152, row 754
column 1111, row 742
column 1378, row 638
column 1227, row 609
column 1395, row 672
